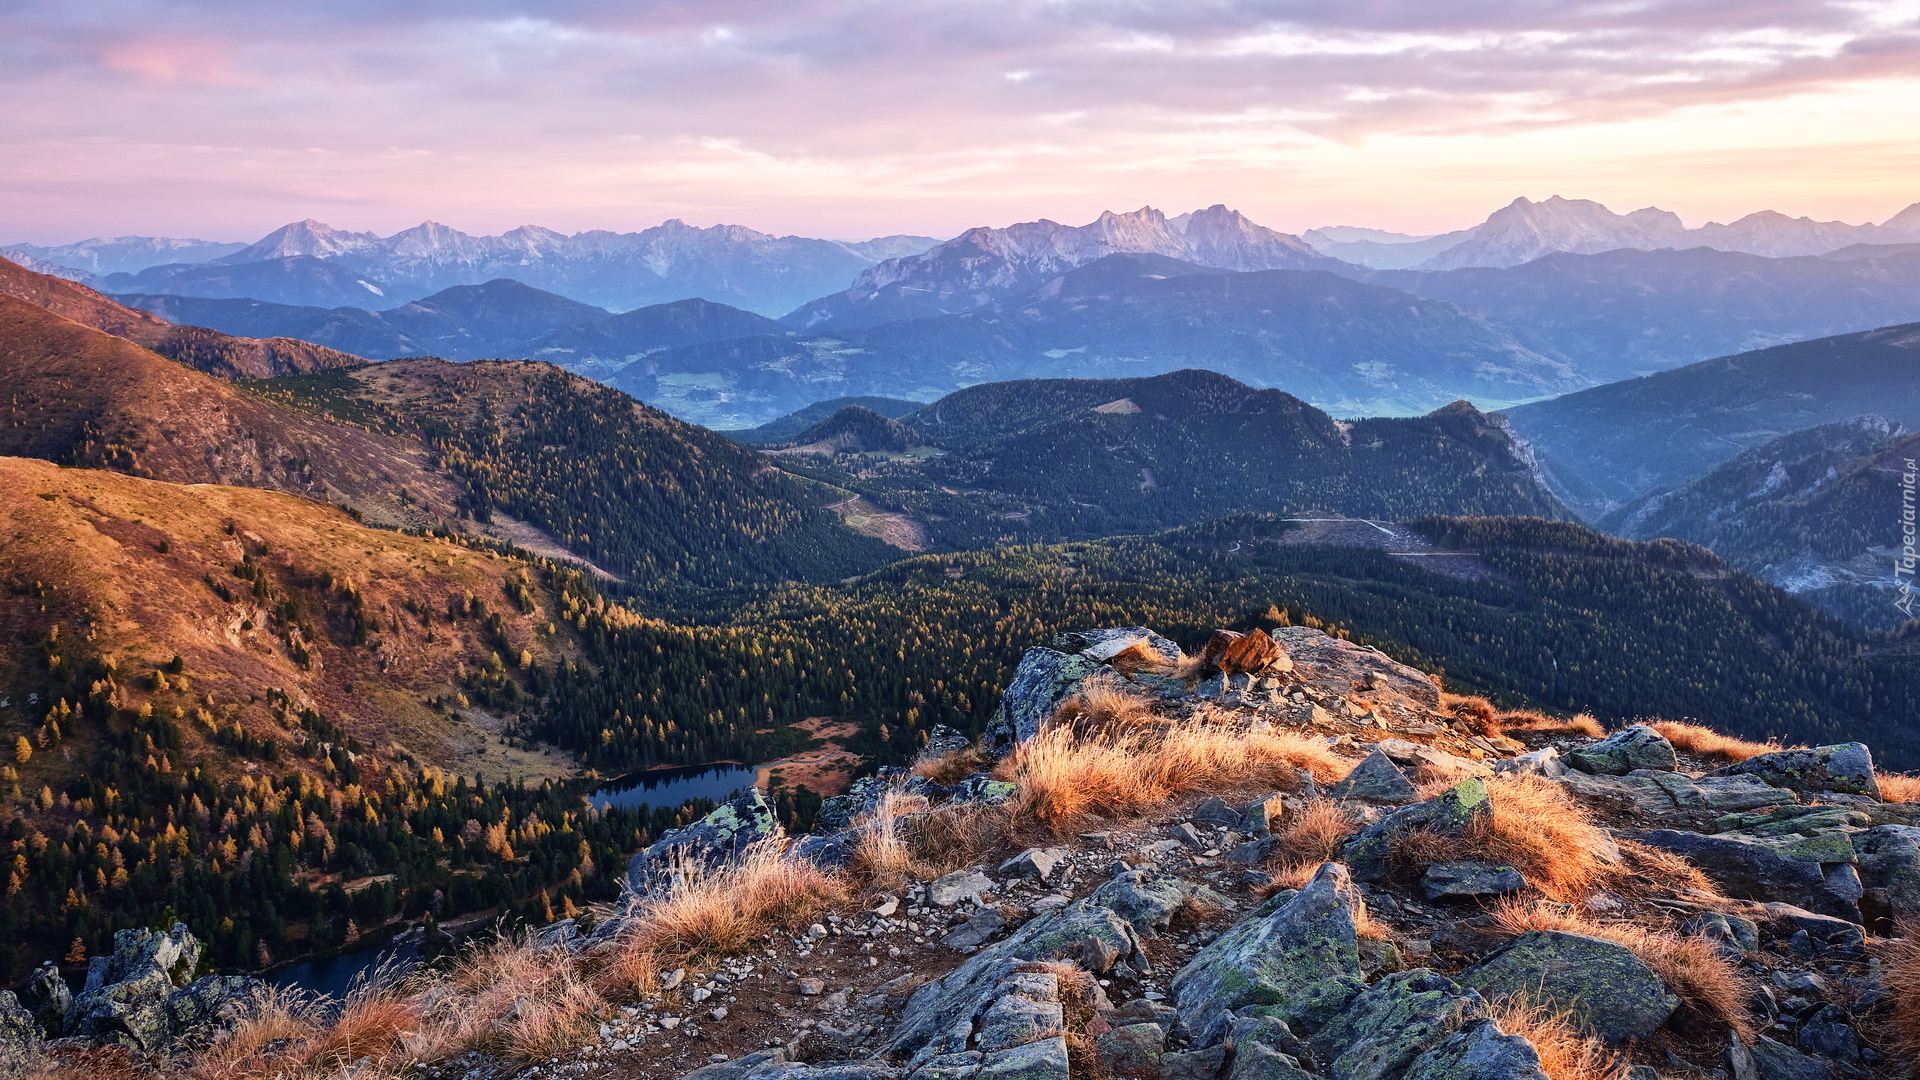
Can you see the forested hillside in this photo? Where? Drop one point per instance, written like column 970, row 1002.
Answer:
column 642, row 494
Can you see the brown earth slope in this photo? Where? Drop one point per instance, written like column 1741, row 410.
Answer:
column 196, row 346
column 272, row 603
column 84, row 397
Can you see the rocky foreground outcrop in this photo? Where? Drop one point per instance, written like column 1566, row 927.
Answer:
column 1178, row 956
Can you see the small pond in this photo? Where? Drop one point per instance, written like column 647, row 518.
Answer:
column 332, row 977
column 671, row 787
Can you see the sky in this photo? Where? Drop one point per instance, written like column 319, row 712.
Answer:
column 223, row 119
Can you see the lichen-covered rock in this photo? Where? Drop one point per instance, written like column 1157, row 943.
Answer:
column 1603, row 987
column 704, row 844
column 48, row 997
column 1749, row 870
column 1480, row 1051
column 1043, row 1060
column 1132, row 1049
column 209, row 1005
column 943, row 741
column 1143, row 898
column 1392, row 1022
column 1451, row 812
column 1298, row 957
column 1027, row 1008
column 1636, row 747
column 1202, row 1064
column 1890, row 870
column 1044, row 679
column 1376, row 779
column 1450, row 880
column 1677, row 795
column 939, row 1018
column 124, row 1001
column 1846, row 768
column 19, row 1035
column 739, row 1067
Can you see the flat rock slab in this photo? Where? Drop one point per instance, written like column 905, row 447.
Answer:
column 1604, row 988
column 1750, row 870
column 1845, row 768
column 958, row 887
column 1451, row 880
column 1298, row 956
column 1377, row 780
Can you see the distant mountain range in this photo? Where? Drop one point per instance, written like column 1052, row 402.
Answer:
column 206, row 349
column 1074, row 458
column 1524, row 230
column 1347, row 346
column 1814, row 512
column 128, row 254
column 1602, row 448
column 1623, row 313
column 984, row 265
column 618, row 271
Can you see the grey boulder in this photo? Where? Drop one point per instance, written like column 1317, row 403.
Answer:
column 1392, row 1022
column 710, row 842
column 1298, row 957
column 1844, row 768
column 1480, row 1051
column 1044, row 679
column 1376, row 779
column 1455, row 880
column 1636, row 747
column 1750, row 870
column 1603, row 987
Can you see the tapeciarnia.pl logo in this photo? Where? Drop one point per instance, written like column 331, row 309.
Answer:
column 1903, row 564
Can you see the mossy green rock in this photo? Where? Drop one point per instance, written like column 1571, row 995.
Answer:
column 1480, row 1051
column 1846, row 768
column 19, row 1035
column 1603, row 987
column 721, row 835
column 1392, row 1022
column 1451, row 812
column 1636, row 747
column 1043, row 680
column 939, row 1018
column 1043, row 1060
column 1301, row 960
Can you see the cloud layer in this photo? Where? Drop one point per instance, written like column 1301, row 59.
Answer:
column 850, row 117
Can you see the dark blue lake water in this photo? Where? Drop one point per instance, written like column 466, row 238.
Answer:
column 333, row 977
column 671, row 787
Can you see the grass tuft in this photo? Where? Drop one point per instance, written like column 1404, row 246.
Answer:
column 1899, row 787
column 1565, row 1054
column 1900, row 974
column 1708, row 743
column 1531, row 824
column 1069, row 774
column 1706, row 979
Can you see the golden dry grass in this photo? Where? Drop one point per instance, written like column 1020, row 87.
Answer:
column 1531, row 824
column 1477, row 713
column 707, row 915
column 1900, row 974
column 1529, row 720
column 1708, row 743
column 950, row 768
column 1069, row 774
column 1565, row 1054
column 1104, row 707
column 1899, row 787
column 1306, row 839
column 1705, row 979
